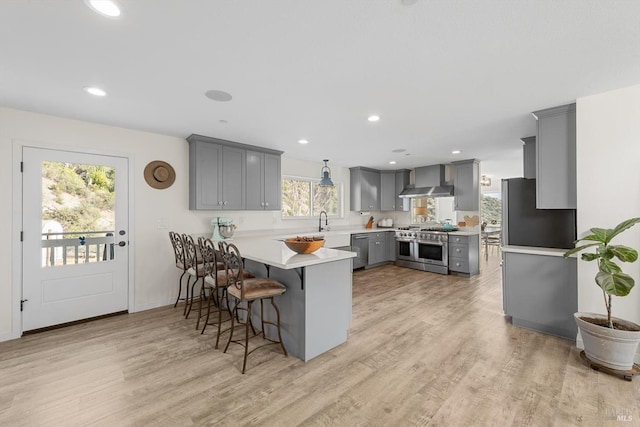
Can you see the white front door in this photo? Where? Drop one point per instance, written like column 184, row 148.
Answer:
column 75, row 241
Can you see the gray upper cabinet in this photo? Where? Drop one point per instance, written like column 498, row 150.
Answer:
column 402, row 181
column 466, row 185
column 556, row 158
column 529, row 157
column 387, row 190
column 365, row 189
column 233, row 179
column 205, row 166
column 220, row 170
column 264, row 181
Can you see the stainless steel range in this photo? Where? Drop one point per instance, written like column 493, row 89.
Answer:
column 423, row 249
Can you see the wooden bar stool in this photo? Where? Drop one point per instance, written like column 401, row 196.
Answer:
column 181, row 263
column 247, row 290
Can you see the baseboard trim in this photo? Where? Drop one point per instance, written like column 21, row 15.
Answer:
column 155, row 304
column 9, row 336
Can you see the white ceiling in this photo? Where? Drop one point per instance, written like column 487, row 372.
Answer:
column 443, row 74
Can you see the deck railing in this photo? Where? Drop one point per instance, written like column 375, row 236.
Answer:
column 77, row 247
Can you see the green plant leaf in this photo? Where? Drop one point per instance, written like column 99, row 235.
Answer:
column 607, row 266
column 624, row 253
column 590, row 257
column 600, row 234
column 579, row 248
column 617, row 284
column 605, row 252
column 624, row 225
column 593, row 237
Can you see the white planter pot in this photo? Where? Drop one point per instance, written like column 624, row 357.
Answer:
column 612, row 348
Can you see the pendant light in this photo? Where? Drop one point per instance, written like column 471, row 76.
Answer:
column 325, row 172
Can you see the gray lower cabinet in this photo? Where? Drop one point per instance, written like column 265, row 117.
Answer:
column 464, row 254
column 216, row 176
column 365, row 189
column 387, row 190
column 466, row 185
column 264, row 181
column 556, row 158
column 377, row 248
column 541, row 292
column 219, row 172
column 402, row 181
column 391, row 246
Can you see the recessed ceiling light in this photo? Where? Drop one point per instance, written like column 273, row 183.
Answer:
column 392, row 162
column 373, row 118
column 108, row 8
column 303, row 141
column 218, row 95
column 96, row 91
column 223, row 121
column 456, row 152
column 399, row 150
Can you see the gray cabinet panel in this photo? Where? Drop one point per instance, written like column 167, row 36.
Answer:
column 377, row 248
column 464, row 254
column 391, row 246
column 365, row 189
column 204, row 176
column 402, row 180
column 387, row 190
column 541, row 293
column 272, row 182
column 220, row 170
column 556, row 158
column 466, row 185
column 264, row 181
column 529, row 157
column 233, row 178
column 255, row 186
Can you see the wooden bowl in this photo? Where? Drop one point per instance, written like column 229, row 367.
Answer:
column 304, row 245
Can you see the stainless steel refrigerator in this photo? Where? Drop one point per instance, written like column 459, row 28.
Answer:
column 524, row 225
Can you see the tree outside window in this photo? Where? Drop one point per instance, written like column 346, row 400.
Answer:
column 304, row 198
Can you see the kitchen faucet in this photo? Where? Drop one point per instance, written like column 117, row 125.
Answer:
column 326, row 221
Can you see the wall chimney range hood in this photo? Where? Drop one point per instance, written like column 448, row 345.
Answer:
column 429, row 182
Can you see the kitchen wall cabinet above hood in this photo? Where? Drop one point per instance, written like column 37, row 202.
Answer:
column 429, row 182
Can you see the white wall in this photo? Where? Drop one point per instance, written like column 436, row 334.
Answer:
column 155, row 276
column 608, row 169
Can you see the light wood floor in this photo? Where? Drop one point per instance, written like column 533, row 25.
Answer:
column 424, row 349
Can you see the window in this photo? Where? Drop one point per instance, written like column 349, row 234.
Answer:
column 304, row 198
column 491, row 208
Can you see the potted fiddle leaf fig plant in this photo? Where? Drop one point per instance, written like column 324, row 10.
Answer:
column 609, row 341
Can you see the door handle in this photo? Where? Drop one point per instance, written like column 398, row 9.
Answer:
column 122, row 243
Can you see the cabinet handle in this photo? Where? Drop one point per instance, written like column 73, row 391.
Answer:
column 266, row 204
column 219, row 202
column 225, row 202
column 261, row 203
column 458, row 250
column 457, row 264
column 457, row 239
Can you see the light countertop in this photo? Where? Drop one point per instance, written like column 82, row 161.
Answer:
column 534, row 251
column 273, row 251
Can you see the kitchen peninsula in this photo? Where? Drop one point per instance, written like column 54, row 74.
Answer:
column 315, row 311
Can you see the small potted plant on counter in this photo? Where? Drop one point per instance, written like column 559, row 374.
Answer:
column 609, row 341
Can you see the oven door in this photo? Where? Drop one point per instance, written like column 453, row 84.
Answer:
column 405, row 249
column 432, row 252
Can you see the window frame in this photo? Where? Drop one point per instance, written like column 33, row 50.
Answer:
column 314, row 182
